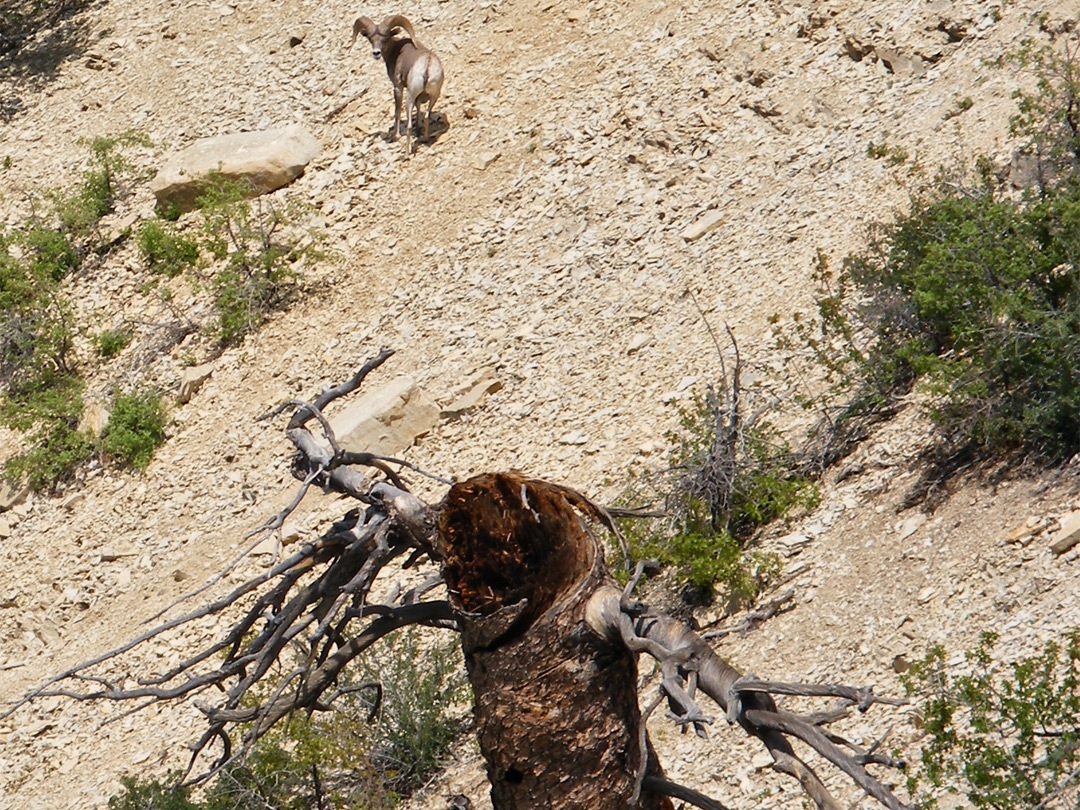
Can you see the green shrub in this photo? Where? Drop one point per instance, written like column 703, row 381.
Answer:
column 153, row 794
column 341, row 758
column 136, row 429
column 111, row 342
column 972, row 299
column 258, row 274
column 94, row 197
column 165, row 251
column 420, row 717
column 976, row 300
column 52, row 256
column 47, row 409
column 705, row 560
column 1006, row 739
column 35, row 324
column 893, row 155
column 728, row 477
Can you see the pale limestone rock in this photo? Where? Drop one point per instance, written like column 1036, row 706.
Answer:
column 900, row 64
column 1068, row 535
column 193, row 379
column 386, row 420
column 95, row 416
column 267, row 160
column 469, row 395
column 709, row 221
column 12, row 495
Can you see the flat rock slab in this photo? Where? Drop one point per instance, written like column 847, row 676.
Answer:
column 1068, row 535
column 386, row 420
column 264, row 160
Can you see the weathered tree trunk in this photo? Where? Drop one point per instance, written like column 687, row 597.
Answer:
column 556, row 704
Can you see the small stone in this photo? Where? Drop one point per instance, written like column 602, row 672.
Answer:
column 1068, row 535
column 12, row 495
column 484, row 159
column 95, row 416
column 1021, row 535
column 794, row 543
column 709, row 221
column 574, row 437
column 900, row 64
column 911, row 525
column 114, row 553
column 268, row 546
column 637, row 343
column 194, row 378
column 469, row 396
column 71, row 501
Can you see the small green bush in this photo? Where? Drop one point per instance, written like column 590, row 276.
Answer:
column 1008, row 739
column 258, row 274
column 94, row 197
column 420, row 717
column 59, row 450
column 36, row 330
column 52, row 256
column 153, row 794
column 47, row 409
column 893, row 155
column 136, row 429
column 111, row 342
column 165, row 251
column 339, row 758
column 728, row 477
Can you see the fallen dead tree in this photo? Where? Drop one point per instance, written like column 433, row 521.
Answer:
column 551, row 643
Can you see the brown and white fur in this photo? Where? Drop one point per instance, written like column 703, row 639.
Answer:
column 415, row 71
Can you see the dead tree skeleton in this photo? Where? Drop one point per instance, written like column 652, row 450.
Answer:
column 551, row 643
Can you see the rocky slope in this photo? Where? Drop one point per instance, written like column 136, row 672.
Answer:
column 547, row 235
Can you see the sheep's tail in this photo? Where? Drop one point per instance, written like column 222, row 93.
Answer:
column 427, row 80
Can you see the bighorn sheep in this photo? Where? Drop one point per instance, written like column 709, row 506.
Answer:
column 415, row 71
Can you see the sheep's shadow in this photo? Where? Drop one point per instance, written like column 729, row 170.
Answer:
column 440, row 125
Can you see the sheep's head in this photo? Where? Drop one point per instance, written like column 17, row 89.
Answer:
column 365, row 26
column 379, row 35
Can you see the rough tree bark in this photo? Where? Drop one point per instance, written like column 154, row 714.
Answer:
column 521, row 569
column 550, row 642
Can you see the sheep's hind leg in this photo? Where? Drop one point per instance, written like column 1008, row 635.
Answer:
column 397, row 115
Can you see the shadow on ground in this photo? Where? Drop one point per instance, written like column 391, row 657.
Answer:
column 36, row 37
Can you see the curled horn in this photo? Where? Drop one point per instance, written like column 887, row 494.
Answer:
column 364, row 26
column 397, row 21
